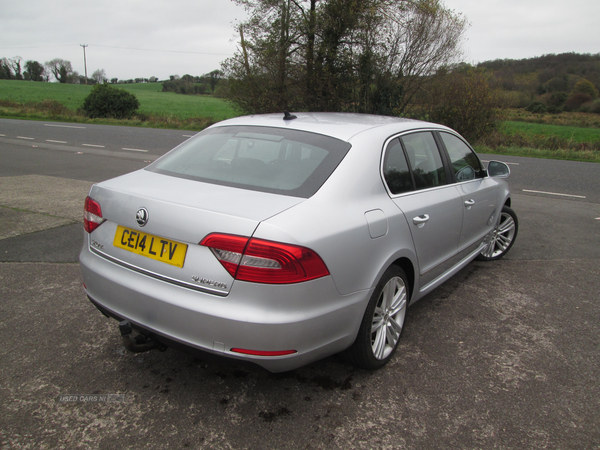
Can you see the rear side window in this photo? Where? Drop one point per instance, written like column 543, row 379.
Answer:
column 276, row 160
column 465, row 163
column 425, row 160
column 395, row 169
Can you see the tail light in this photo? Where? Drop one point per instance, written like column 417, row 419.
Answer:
column 261, row 261
column 92, row 216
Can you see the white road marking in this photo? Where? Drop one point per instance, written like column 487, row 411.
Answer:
column 135, row 150
column 62, row 126
column 187, row 135
column 555, row 193
column 23, row 137
column 58, row 142
column 3, row 135
column 92, row 145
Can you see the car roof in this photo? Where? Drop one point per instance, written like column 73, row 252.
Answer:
column 339, row 125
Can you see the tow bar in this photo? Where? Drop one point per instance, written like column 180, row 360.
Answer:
column 139, row 343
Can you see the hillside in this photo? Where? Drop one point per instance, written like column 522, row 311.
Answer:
column 550, row 79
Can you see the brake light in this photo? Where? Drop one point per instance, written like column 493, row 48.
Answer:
column 92, row 216
column 261, row 261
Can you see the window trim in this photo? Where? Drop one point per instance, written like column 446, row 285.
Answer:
column 451, row 180
column 448, row 161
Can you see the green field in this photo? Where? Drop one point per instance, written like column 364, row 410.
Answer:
column 542, row 140
column 152, row 100
column 568, row 133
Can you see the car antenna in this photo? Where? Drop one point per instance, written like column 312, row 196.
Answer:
column 288, row 116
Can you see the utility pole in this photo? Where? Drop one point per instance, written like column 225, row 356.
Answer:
column 84, row 60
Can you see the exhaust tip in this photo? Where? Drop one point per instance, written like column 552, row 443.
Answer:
column 139, row 343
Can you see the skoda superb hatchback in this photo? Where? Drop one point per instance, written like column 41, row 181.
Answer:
column 282, row 239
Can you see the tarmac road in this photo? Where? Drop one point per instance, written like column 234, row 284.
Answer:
column 504, row 355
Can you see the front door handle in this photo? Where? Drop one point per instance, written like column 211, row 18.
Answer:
column 420, row 220
column 469, row 203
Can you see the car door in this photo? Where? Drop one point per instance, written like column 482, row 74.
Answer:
column 478, row 192
column 418, row 184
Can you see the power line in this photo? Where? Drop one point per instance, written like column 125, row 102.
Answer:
column 162, row 51
column 121, row 48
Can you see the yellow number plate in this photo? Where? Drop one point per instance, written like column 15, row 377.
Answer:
column 160, row 249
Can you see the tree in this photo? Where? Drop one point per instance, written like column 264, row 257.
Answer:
column 99, row 76
column 339, row 55
column 214, row 77
column 462, row 99
column 15, row 62
column 5, row 69
column 62, row 70
column 34, row 71
column 585, row 87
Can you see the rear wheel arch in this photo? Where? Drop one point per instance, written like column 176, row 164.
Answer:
column 407, row 266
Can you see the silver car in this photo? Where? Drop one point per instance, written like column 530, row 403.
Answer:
column 281, row 239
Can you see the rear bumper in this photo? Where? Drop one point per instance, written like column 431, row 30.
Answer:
column 311, row 318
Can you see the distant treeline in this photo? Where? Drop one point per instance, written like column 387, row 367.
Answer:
column 191, row 85
column 546, row 68
column 553, row 83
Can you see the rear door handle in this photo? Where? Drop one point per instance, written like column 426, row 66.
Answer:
column 469, row 203
column 420, row 220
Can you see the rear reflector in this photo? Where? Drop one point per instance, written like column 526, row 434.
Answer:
column 92, row 216
column 263, row 353
column 261, row 261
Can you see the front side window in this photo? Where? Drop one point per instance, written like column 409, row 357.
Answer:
column 276, row 160
column 465, row 163
column 425, row 160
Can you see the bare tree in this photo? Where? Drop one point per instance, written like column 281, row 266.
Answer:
column 15, row 62
column 61, row 69
column 340, row 55
column 99, row 76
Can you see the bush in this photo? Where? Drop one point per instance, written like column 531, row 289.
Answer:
column 185, row 85
column 54, row 108
column 110, row 102
column 591, row 107
column 586, row 87
column 576, row 100
column 552, row 109
column 558, row 99
column 537, row 108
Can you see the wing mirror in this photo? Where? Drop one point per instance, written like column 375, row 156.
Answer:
column 498, row 169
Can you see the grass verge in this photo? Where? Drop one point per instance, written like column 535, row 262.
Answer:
column 55, row 111
column 564, row 154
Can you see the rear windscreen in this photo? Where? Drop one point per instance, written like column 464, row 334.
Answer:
column 276, row 160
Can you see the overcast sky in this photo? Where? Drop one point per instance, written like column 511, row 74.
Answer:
column 140, row 39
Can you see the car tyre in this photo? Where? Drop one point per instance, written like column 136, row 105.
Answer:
column 503, row 236
column 383, row 321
